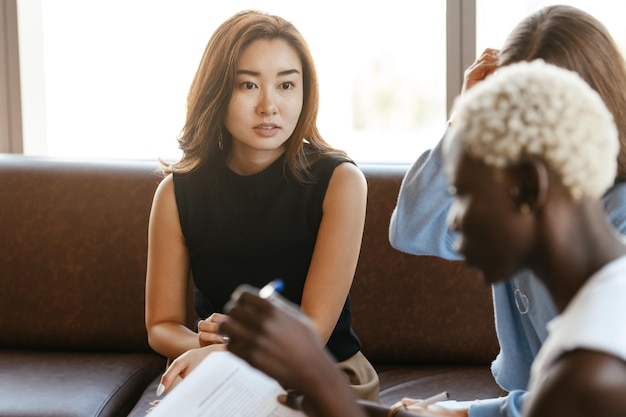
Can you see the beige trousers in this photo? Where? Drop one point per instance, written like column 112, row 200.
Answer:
column 361, row 376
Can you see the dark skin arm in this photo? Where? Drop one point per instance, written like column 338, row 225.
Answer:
column 281, row 342
column 582, row 383
column 275, row 337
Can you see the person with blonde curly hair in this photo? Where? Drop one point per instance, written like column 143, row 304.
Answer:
column 529, row 155
column 520, row 202
column 529, row 117
column 569, row 38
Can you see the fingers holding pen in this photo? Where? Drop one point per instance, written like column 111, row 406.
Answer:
column 270, row 339
column 246, row 300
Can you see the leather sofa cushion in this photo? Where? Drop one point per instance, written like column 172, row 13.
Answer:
column 74, row 384
column 462, row 382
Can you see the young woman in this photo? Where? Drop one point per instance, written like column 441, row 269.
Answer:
column 529, row 155
column 257, row 195
column 569, row 38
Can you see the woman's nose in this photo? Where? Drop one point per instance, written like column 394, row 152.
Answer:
column 267, row 104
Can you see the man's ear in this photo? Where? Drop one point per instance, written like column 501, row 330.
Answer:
column 532, row 185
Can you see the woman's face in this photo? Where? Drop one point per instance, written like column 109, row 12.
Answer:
column 495, row 236
column 267, row 98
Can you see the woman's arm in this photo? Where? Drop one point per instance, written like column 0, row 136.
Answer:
column 419, row 221
column 336, row 250
column 167, row 277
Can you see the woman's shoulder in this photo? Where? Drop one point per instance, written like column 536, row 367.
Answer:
column 347, row 171
column 166, row 185
column 164, row 195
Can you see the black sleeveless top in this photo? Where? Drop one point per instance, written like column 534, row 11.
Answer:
column 253, row 229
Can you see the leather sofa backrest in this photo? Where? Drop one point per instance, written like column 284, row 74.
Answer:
column 415, row 309
column 73, row 253
column 73, row 244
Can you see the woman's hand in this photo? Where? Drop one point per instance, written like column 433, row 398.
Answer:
column 485, row 65
column 184, row 364
column 208, row 330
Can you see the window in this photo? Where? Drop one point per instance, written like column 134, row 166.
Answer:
column 109, row 78
column 114, row 74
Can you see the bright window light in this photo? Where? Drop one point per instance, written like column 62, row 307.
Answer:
column 117, row 73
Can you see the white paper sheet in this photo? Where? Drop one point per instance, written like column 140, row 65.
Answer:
column 224, row 385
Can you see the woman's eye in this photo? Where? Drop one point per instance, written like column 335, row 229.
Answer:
column 248, row 85
column 288, row 85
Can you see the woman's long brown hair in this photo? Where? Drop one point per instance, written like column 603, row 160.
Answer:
column 213, row 84
column 573, row 39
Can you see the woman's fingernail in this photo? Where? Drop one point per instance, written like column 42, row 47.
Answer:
column 160, row 390
column 225, row 339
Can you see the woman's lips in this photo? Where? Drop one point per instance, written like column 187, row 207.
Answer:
column 266, row 130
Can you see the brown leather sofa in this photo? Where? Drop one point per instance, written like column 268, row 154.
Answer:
column 73, row 238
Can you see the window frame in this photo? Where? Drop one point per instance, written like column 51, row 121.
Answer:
column 10, row 96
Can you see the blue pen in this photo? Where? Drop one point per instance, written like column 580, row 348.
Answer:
column 276, row 285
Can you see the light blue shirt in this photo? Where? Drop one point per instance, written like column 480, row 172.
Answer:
column 522, row 305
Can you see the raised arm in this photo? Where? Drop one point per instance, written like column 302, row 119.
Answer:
column 419, row 221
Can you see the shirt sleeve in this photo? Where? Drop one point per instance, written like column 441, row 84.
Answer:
column 614, row 202
column 508, row 406
column 419, row 221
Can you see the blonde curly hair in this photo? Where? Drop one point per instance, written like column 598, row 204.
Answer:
column 535, row 109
